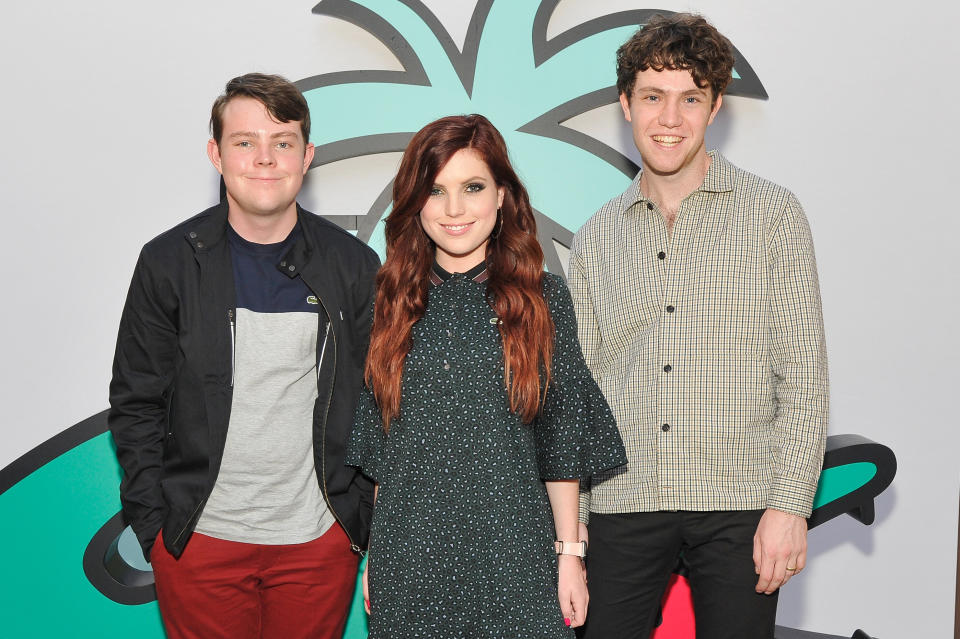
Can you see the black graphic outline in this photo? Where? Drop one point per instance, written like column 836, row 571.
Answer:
column 859, row 504
column 102, row 563
column 548, row 125
column 124, row 584
column 109, row 572
column 44, row 453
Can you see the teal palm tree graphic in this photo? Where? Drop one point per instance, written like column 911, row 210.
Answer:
column 509, row 71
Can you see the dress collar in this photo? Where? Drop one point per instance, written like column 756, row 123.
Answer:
column 478, row 273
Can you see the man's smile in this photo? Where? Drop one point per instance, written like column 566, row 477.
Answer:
column 668, row 141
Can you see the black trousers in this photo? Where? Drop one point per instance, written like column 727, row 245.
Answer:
column 631, row 559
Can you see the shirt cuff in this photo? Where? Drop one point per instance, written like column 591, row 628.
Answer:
column 584, row 514
column 792, row 496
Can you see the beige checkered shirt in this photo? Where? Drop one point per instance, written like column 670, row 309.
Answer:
column 708, row 346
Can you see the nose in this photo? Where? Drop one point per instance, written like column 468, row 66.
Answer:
column 455, row 205
column 670, row 113
column 265, row 155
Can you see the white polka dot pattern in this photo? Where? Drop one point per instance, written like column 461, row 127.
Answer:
column 462, row 538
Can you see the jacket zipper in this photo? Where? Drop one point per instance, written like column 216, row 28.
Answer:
column 187, row 525
column 323, row 433
column 233, row 361
column 233, row 345
column 323, row 350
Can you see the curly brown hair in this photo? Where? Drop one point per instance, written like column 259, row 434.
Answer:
column 679, row 41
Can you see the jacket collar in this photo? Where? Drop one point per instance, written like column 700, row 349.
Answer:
column 299, row 254
column 210, row 228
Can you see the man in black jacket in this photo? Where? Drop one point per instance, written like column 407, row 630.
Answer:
column 239, row 358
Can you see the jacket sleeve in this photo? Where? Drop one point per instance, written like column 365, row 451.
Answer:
column 143, row 369
column 366, row 296
column 799, row 365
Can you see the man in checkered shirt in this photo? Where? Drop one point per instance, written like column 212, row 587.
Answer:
column 699, row 315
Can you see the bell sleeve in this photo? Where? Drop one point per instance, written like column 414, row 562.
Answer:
column 365, row 449
column 576, row 434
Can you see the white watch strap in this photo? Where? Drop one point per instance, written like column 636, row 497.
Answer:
column 575, row 548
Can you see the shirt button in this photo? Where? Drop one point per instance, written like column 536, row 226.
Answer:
column 670, row 309
column 667, row 368
column 291, row 268
column 661, row 255
column 446, row 365
column 199, row 244
column 193, row 235
column 449, row 333
column 649, row 206
column 665, row 427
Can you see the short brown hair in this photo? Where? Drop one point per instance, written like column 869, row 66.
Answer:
column 282, row 99
column 682, row 42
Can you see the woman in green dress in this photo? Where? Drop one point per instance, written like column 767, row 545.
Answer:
column 480, row 416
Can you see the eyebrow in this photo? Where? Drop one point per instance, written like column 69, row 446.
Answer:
column 697, row 91
column 253, row 134
column 475, row 178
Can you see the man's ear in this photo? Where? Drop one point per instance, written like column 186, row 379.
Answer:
column 716, row 108
column 625, row 105
column 213, row 152
column 307, row 157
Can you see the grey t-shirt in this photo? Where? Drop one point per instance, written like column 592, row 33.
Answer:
column 267, row 490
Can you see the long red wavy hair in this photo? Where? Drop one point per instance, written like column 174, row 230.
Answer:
column 514, row 264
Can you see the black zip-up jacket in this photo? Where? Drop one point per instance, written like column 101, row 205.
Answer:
column 171, row 392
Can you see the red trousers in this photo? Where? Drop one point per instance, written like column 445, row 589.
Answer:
column 248, row 591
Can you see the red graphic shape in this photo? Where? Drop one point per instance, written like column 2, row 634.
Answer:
column 677, row 604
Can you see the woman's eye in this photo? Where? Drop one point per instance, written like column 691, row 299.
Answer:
column 436, row 191
column 475, row 187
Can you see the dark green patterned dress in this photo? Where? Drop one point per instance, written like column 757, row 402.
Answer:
column 462, row 538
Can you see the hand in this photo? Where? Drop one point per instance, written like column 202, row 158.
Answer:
column 780, row 543
column 366, row 588
column 572, row 590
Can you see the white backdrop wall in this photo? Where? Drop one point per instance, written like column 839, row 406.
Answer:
column 104, row 113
